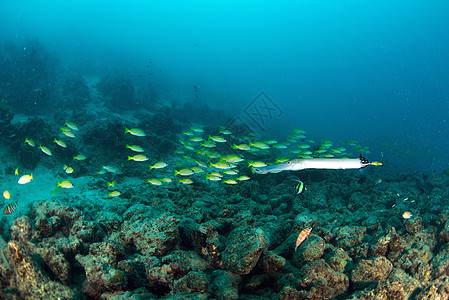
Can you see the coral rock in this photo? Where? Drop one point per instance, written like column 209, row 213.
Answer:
column 398, row 286
column 225, row 285
column 371, row 270
column 311, row 249
column 338, row 260
column 271, row 262
column 244, row 247
column 31, row 282
column 321, row 281
column 349, row 236
column 194, row 282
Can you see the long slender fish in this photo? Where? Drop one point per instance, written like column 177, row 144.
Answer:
column 317, row 163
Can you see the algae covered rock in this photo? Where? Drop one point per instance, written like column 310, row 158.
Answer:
column 398, row 285
column 371, row 270
column 225, row 285
column 311, row 249
column 153, row 236
column 321, row 281
column 31, row 282
column 349, row 236
column 272, row 262
column 243, row 249
column 338, row 260
column 194, row 282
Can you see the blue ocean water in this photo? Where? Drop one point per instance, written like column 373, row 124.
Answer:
column 375, row 72
column 134, row 137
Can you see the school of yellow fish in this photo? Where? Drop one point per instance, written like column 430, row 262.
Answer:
column 217, row 157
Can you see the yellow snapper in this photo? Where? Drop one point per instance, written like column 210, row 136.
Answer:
column 233, row 158
column 60, row 143
column 114, row 194
column 45, row 150
column 257, row 164
column 230, row 181
column 196, row 139
column 231, row 172
column 243, row 178
column 221, row 165
column 185, row 181
column 259, row 145
column 197, row 170
column 208, row 144
column 30, row 142
column 217, row 138
column 243, row 147
column 71, row 125
column 138, row 157
column 197, row 129
column 158, row 165
column 135, row 131
column 166, row 180
column 154, row 181
column 66, row 131
column 135, row 148
column 65, row 184
column 201, row 164
column 212, row 178
column 225, row 131
column 112, row 183
column 184, row 172
column 80, row 157
column 25, row 179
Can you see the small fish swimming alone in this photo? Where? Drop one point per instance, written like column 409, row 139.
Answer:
column 6, row 194
column 407, row 215
column 10, row 208
column 302, row 236
column 299, row 187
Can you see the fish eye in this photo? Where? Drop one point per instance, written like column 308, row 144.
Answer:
column 289, row 162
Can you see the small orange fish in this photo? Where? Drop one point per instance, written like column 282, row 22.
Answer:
column 302, row 236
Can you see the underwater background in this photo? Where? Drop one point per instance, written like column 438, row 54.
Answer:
column 132, row 135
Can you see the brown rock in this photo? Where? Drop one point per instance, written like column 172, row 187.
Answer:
column 371, row 270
